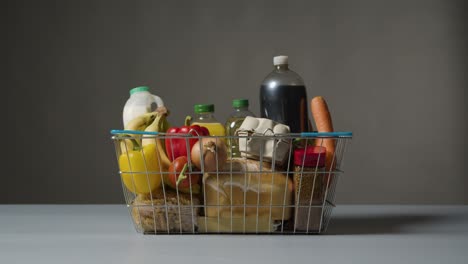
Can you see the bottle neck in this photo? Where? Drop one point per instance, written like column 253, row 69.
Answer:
column 140, row 93
column 243, row 108
column 282, row 67
column 209, row 116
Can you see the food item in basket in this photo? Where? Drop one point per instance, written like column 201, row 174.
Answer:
column 140, row 169
column 147, row 122
column 176, row 146
column 310, row 183
column 142, row 163
column 141, row 122
column 181, row 178
column 247, row 187
column 205, row 117
column 139, row 103
column 323, row 122
column 138, row 123
column 158, row 125
column 165, row 212
column 162, row 158
column 213, row 152
column 163, row 124
column 261, row 140
column 310, row 156
column 235, row 120
column 283, row 97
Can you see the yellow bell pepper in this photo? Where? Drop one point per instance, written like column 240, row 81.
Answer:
column 139, row 167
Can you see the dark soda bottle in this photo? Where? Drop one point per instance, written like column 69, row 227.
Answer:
column 283, row 97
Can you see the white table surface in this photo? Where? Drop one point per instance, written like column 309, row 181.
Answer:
column 357, row 234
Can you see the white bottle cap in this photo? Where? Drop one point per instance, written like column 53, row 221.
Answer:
column 278, row 60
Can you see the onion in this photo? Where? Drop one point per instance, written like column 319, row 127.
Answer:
column 214, row 154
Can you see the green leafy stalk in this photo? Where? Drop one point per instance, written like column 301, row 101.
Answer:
column 182, row 175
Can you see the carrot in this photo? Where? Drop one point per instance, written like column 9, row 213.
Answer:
column 323, row 122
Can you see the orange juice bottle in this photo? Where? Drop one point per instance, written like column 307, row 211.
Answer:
column 205, row 117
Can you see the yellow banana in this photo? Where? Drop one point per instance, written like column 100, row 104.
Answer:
column 138, row 123
column 141, row 122
column 156, row 126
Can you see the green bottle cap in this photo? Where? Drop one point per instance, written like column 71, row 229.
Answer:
column 203, row 108
column 240, row 102
column 139, row 89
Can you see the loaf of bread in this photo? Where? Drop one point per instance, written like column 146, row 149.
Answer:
column 248, row 190
column 161, row 213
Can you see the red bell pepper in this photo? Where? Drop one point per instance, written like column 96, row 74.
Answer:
column 177, row 146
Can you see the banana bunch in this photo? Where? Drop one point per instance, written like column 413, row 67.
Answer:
column 151, row 122
column 158, row 125
column 139, row 123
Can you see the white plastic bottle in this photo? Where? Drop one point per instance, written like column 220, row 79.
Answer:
column 139, row 103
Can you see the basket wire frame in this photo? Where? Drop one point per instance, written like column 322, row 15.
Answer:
column 167, row 210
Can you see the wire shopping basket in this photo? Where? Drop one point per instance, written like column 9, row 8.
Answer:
column 280, row 184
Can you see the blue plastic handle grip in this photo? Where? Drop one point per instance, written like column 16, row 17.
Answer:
column 326, row 134
column 135, row 132
column 303, row 134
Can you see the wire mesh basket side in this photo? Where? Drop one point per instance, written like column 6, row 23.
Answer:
column 253, row 193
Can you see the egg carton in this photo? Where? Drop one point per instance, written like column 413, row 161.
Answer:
column 260, row 138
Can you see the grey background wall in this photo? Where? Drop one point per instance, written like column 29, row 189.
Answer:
column 394, row 73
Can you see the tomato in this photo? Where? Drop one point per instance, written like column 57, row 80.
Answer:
column 177, row 166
